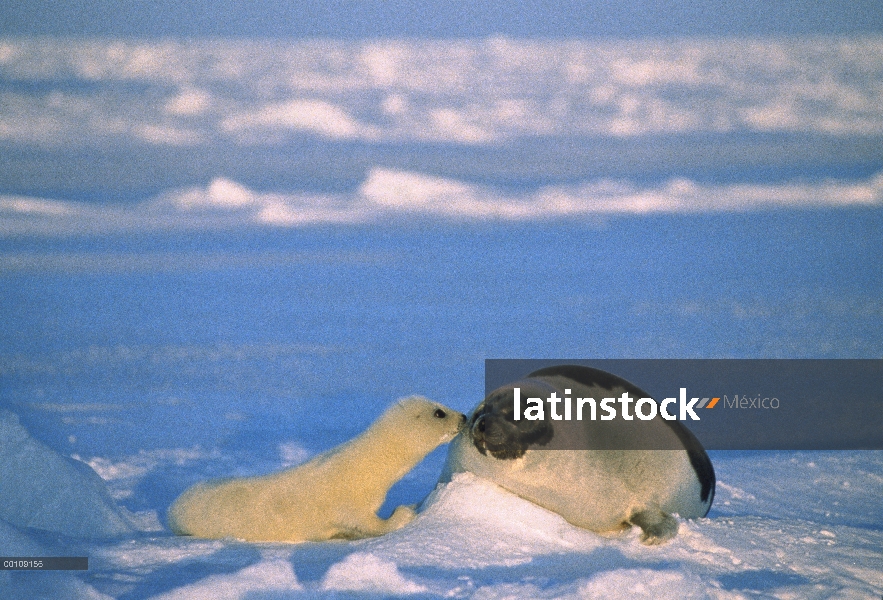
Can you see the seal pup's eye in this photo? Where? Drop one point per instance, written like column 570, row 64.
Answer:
column 440, row 414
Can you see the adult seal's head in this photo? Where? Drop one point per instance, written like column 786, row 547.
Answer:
column 494, row 430
column 603, row 475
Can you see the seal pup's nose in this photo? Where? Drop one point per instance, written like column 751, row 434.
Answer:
column 463, row 420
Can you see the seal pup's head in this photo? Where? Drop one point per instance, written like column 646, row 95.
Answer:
column 494, row 430
column 429, row 421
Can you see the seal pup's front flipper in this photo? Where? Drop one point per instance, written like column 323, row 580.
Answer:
column 373, row 526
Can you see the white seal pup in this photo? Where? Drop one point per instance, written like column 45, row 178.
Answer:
column 335, row 495
column 566, row 466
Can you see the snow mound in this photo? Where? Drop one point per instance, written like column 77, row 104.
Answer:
column 364, row 572
column 15, row 543
column 634, row 584
column 44, row 490
column 267, row 576
column 471, row 522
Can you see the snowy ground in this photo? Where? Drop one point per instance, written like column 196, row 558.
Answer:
column 784, row 525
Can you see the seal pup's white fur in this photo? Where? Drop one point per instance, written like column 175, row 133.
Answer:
column 335, row 495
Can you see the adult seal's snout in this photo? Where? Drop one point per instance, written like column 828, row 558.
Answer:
column 494, row 430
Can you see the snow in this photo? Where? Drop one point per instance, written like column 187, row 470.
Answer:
column 42, row 489
column 471, row 92
column 365, row 572
column 15, row 543
column 787, row 525
column 266, row 576
column 389, row 194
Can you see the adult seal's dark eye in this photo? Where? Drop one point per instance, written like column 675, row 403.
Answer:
column 440, row 414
